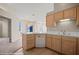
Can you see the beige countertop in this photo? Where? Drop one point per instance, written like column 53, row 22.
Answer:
column 73, row 34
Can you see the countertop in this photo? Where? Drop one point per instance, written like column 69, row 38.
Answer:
column 73, row 34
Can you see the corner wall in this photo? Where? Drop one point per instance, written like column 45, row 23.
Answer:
column 15, row 35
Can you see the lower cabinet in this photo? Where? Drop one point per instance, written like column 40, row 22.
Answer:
column 49, row 41
column 56, row 43
column 63, row 44
column 30, row 44
column 53, row 42
column 68, row 45
column 77, row 46
column 24, row 42
column 28, row 41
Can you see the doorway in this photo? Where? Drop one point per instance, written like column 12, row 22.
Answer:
column 5, row 28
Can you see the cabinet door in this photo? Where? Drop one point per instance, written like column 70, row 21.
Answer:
column 50, row 20
column 77, row 16
column 70, row 13
column 69, row 45
column 77, row 46
column 24, row 42
column 30, row 44
column 59, row 16
column 53, row 44
column 56, row 43
column 30, row 41
column 48, row 42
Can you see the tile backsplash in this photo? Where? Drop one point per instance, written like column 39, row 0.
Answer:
column 68, row 26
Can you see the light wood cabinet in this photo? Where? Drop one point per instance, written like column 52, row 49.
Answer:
column 70, row 13
column 77, row 46
column 28, row 41
column 24, row 42
column 77, row 16
column 50, row 20
column 68, row 45
column 59, row 16
column 49, row 41
column 56, row 43
column 53, row 42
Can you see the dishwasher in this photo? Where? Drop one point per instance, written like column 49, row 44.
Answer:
column 40, row 40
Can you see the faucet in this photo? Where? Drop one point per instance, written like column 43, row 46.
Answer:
column 63, row 32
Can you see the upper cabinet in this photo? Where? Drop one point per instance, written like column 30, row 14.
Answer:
column 77, row 16
column 59, row 16
column 70, row 13
column 50, row 20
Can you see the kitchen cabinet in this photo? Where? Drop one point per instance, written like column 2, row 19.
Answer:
column 70, row 13
column 77, row 46
column 56, row 43
column 59, row 16
column 77, row 16
column 24, row 42
column 68, row 45
column 49, row 41
column 53, row 42
column 28, row 41
column 50, row 20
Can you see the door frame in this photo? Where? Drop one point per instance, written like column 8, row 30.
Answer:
column 9, row 27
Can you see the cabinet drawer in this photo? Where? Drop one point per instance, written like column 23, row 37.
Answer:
column 31, row 38
column 30, row 35
column 49, row 36
column 69, row 38
column 57, row 36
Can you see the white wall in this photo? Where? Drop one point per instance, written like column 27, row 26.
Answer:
column 15, row 35
column 0, row 29
column 15, row 31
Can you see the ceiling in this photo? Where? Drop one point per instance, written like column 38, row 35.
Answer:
column 29, row 11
